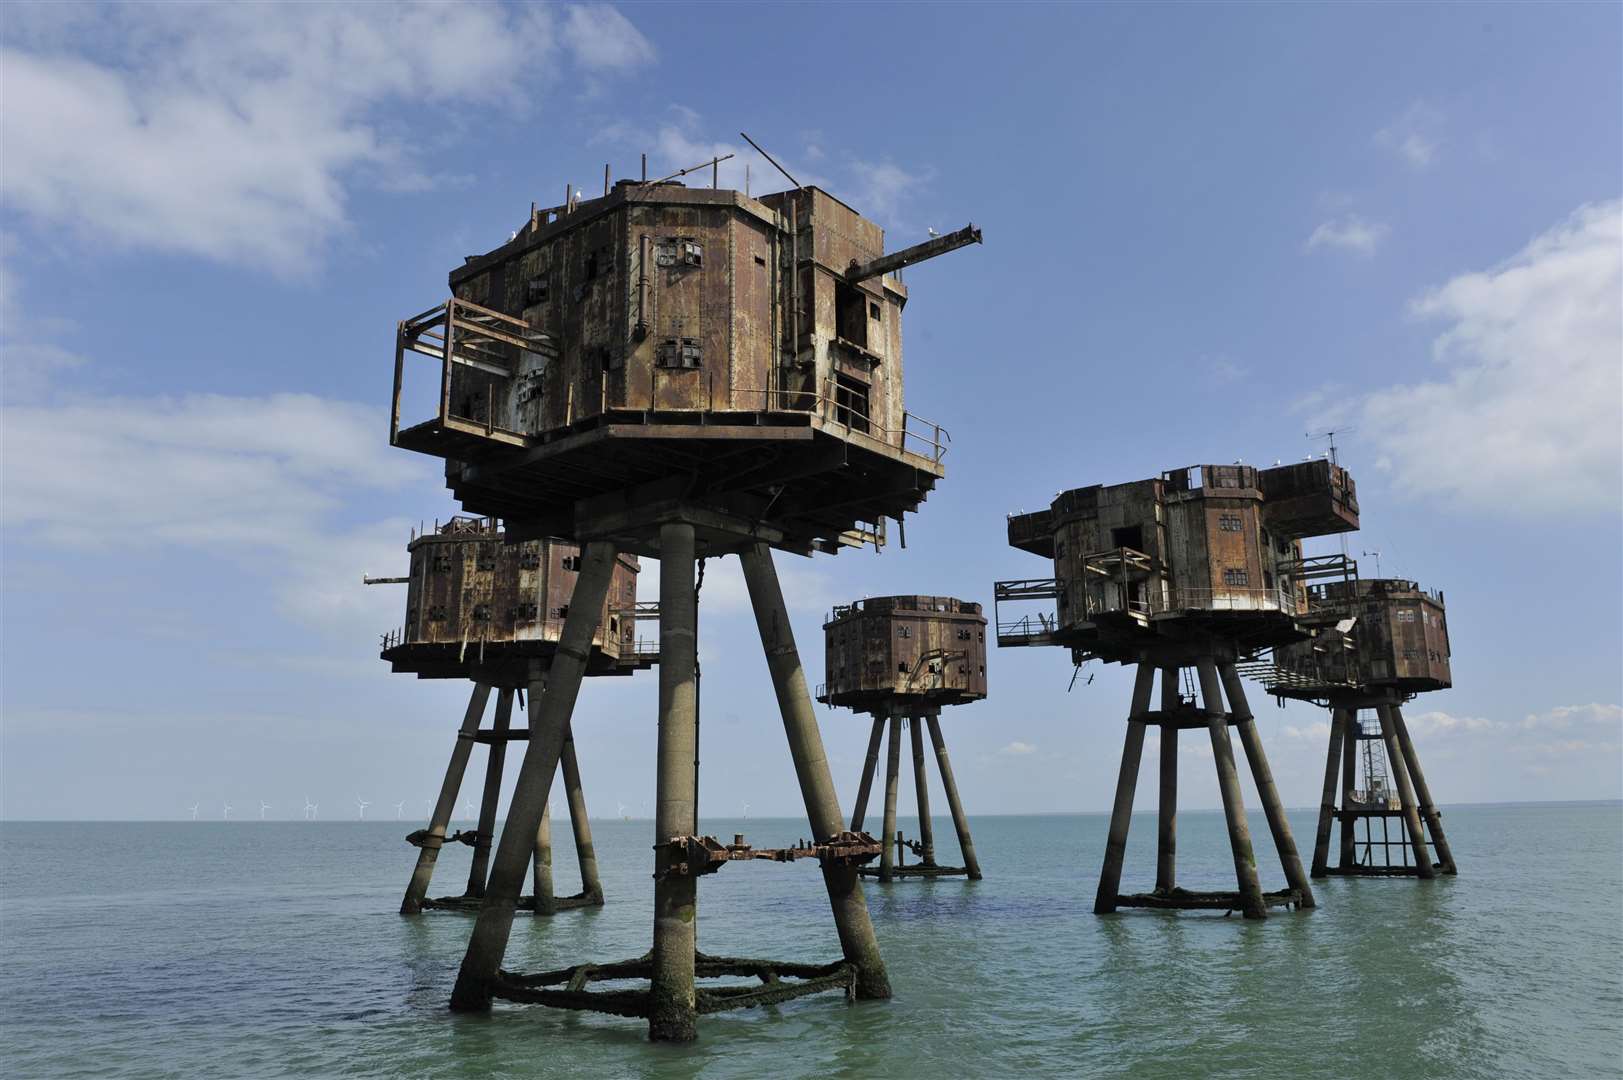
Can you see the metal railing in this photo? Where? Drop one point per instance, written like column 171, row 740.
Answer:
column 844, row 408
column 460, row 332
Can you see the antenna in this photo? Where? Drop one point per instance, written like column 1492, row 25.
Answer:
column 362, row 804
column 1330, row 434
column 798, row 185
column 1376, row 555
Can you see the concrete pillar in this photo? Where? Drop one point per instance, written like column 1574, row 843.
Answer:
column 493, row 792
column 544, row 897
column 1428, row 809
column 1406, row 799
column 860, row 811
column 921, row 785
column 857, row 941
column 1327, row 799
column 429, row 853
column 590, row 885
column 1263, row 776
column 1166, row 839
column 1228, row 782
column 1121, row 814
column 893, row 764
column 672, row 1008
column 549, row 724
column 960, row 821
column 1348, row 856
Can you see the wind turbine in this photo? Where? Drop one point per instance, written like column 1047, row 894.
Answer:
column 228, row 811
column 746, row 811
column 309, row 809
column 194, row 810
column 622, row 807
column 263, row 806
column 362, row 804
column 399, row 808
column 468, row 810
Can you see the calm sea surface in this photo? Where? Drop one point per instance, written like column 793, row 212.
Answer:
column 274, row 949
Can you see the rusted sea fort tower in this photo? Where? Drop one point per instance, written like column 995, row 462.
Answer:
column 1375, row 645
column 481, row 609
column 900, row 659
column 679, row 373
column 1199, row 568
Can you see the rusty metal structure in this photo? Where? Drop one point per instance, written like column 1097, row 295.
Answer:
column 1374, row 645
column 678, row 373
column 1199, row 568
column 900, row 659
column 491, row 612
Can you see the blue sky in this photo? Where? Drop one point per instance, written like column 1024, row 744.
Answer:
column 1209, row 230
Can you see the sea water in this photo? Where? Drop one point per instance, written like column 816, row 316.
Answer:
column 248, row 949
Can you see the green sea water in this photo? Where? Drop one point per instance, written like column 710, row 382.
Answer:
column 274, row 949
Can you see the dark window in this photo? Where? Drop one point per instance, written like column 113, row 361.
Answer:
column 759, row 261
column 561, row 612
column 436, row 613
column 535, row 290
column 571, row 562
column 873, row 310
column 1234, row 576
column 530, row 560
column 850, row 314
column 481, row 612
column 692, row 253
column 487, row 560
column 1229, row 522
column 1129, row 537
column 679, row 353
column 901, row 669
column 851, row 402
column 526, row 612
column 904, row 631
column 442, row 563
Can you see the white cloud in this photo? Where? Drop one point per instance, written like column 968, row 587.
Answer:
column 233, row 131
column 259, row 481
column 604, row 40
column 1018, row 749
column 883, row 191
column 1413, row 136
column 1527, row 416
column 1563, row 717
column 1348, row 233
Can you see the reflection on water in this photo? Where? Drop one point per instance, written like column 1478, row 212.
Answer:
column 267, row 949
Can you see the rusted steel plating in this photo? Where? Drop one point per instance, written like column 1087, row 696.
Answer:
column 705, row 854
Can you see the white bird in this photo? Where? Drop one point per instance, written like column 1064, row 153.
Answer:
column 362, row 804
column 194, row 810
column 228, row 811
column 263, row 806
column 399, row 808
column 932, row 232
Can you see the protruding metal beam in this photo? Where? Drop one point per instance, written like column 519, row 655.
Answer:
column 938, row 245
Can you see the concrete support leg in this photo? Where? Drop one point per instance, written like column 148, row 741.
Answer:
column 857, row 940
column 860, row 811
column 1406, row 799
column 1166, row 839
column 1228, row 783
column 591, row 886
column 960, row 821
column 1263, row 776
column 1327, row 799
column 545, row 899
column 673, row 1013
column 1121, row 814
column 549, row 724
column 1348, row 856
column 1428, row 809
column 429, row 853
column 893, row 766
column 480, row 868
column 921, row 786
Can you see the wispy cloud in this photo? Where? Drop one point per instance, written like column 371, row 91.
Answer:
column 1018, row 749
column 1414, row 136
column 1348, row 233
column 1528, row 400
column 236, row 131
